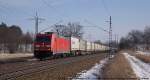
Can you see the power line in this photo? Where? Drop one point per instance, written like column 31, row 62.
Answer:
column 96, row 26
column 110, row 28
column 105, row 30
column 46, row 3
column 109, row 32
column 49, row 27
column 106, row 7
column 50, row 6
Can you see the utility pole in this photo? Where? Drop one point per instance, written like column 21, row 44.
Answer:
column 110, row 36
column 37, row 20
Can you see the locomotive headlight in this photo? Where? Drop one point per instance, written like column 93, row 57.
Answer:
column 37, row 45
column 47, row 45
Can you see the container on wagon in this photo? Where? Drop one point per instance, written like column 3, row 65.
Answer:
column 88, row 46
column 82, row 45
column 75, row 44
column 93, row 46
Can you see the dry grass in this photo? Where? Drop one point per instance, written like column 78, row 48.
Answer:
column 144, row 58
column 119, row 69
column 4, row 56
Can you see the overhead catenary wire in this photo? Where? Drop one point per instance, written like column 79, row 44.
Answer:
column 96, row 26
column 106, row 7
column 110, row 27
column 50, row 26
column 50, row 6
column 46, row 3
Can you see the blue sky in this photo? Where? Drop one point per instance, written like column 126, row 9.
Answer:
column 126, row 14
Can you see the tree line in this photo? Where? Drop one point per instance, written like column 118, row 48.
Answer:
column 136, row 39
column 12, row 39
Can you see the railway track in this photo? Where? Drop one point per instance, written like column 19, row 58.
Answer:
column 19, row 66
column 12, row 67
column 40, row 66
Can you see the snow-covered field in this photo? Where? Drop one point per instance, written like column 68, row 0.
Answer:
column 17, row 55
column 143, row 53
column 141, row 69
column 93, row 73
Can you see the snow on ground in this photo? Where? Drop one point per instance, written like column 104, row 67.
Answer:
column 141, row 69
column 17, row 55
column 93, row 73
column 143, row 52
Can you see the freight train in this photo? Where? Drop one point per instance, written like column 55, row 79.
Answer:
column 51, row 44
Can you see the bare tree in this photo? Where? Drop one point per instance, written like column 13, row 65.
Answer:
column 76, row 29
column 3, row 36
column 133, row 40
column 124, row 43
column 27, row 41
column 60, row 29
column 73, row 29
column 136, row 38
column 147, row 37
column 14, row 38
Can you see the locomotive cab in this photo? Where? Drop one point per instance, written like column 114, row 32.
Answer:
column 42, row 45
column 51, row 44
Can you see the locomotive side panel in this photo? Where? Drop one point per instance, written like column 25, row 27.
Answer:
column 61, row 45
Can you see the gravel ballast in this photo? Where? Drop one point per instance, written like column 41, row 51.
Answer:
column 66, row 70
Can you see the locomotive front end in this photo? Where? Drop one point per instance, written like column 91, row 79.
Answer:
column 42, row 46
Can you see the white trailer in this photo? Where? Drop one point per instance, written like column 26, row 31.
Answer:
column 97, row 47
column 88, row 46
column 75, row 44
column 82, row 45
column 93, row 47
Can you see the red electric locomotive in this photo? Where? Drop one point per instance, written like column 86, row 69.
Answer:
column 50, row 44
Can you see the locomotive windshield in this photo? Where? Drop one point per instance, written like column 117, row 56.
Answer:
column 44, row 39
